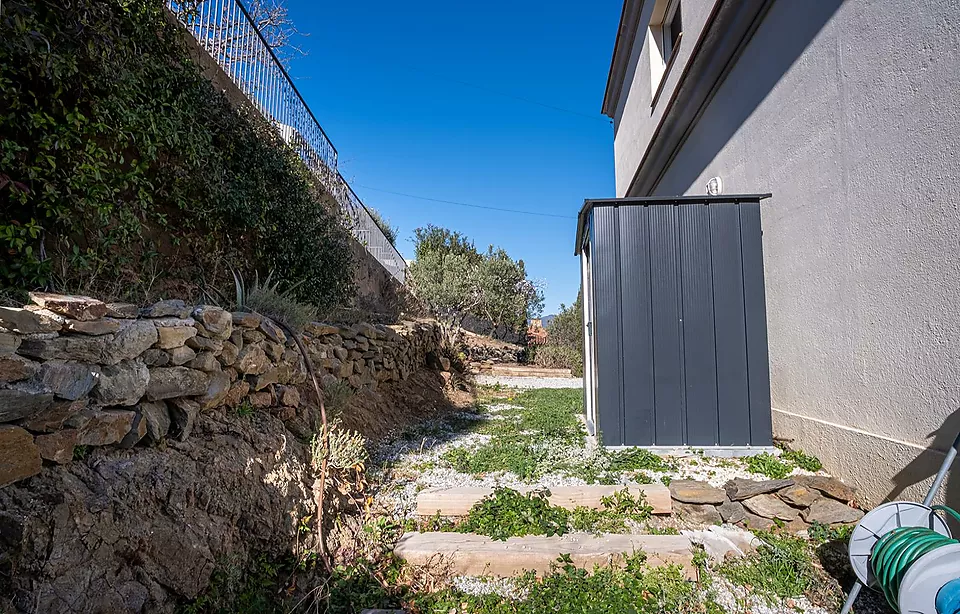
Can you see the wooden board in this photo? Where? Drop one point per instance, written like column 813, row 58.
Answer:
column 458, row 501
column 478, row 555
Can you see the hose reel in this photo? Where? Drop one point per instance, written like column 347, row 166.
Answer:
column 905, row 550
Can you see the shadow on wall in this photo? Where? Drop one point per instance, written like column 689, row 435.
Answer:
column 784, row 34
column 928, row 462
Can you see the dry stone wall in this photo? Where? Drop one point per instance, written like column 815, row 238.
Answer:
column 75, row 371
column 797, row 502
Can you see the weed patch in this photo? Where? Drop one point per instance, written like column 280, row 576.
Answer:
column 507, row 513
column 768, row 465
column 782, row 567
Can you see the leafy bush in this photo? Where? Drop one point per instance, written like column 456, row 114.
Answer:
column 123, row 171
column 616, row 510
column 551, row 356
column 507, row 513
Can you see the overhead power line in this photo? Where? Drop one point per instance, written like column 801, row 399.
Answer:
column 459, row 204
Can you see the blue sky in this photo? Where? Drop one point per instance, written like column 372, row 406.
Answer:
column 382, row 79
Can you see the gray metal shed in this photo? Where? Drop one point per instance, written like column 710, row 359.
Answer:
column 675, row 321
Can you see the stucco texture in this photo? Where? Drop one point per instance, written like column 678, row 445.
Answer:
column 849, row 112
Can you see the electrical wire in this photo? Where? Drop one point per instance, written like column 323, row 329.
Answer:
column 460, row 204
column 898, row 550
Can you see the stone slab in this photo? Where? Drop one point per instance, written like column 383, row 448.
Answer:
column 477, row 555
column 458, row 501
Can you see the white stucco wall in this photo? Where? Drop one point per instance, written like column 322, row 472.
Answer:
column 849, row 112
column 636, row 118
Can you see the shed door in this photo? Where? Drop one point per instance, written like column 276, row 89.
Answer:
column 681, row 325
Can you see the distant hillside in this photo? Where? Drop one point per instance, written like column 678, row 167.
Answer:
column 547, row 319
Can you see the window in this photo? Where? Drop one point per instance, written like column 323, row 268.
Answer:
column 666, row 28
column 671, row 29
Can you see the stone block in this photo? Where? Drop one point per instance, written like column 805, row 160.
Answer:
column 14, row 368
column 259, row 382
column 133, row 339
column 245, row 319
column 173, row 308
column 9, row 343
column 67, row 379
column 16, row 403
column 75, row 307
column 53, row 417
column 215, row 321
column 289, row 396
column 58, row 447
column 238, row 390
column 252, row 360
column 124, row 311
column 156, row 416
column 138, row 431
column 80, row 349
column 19, row 455
column 261, row 399
column 122, row 384
column 94, row 328
column 799, row 496
column 697, row 514
column 830, row 511
column 183, row 415
column 732, row 512
column 228, row 354
column 740, row 489
column 105, row 427
column 174, row 336
column 770, row 506
column 180, row 356
column 205, row 361
column 217, row 391
column 273, row 350
column 155, row 357
column 173, row 382
column 201, row 344
column 831, row 487
column 319, row 329
column 253, row 336
column 696, row 492
column 25, row 321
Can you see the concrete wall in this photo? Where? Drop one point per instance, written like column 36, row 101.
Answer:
column 849, row 112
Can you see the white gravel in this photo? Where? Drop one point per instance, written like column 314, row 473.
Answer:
column 526, row 383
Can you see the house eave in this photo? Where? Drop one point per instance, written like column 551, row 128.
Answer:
column 626, row 37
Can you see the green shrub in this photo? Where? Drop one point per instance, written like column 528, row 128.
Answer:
column 802, row 460
column 133, row 175
column 507, row 513
column 559, row 357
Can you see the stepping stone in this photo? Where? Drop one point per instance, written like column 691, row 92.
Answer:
column 696, row 492
column 477, row 555
column 458, row 501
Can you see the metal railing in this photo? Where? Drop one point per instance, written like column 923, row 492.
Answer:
column 226, row 31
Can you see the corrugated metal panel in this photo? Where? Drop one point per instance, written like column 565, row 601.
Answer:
column 699, row 341
column 679, row 323
column 732, row 397
column 637, row 329
column 667, row 330
column 606, row 280
column 755, row 312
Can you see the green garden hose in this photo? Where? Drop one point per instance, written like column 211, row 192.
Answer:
column 897, row 550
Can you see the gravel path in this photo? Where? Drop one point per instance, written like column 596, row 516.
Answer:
column 526, row 383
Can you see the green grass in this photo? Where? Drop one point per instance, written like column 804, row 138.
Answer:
column 783, row 567
column 634, row 588
column 799, row 459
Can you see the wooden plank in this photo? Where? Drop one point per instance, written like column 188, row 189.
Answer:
column 458, row 501
column 522, row 371
column 478, row 555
